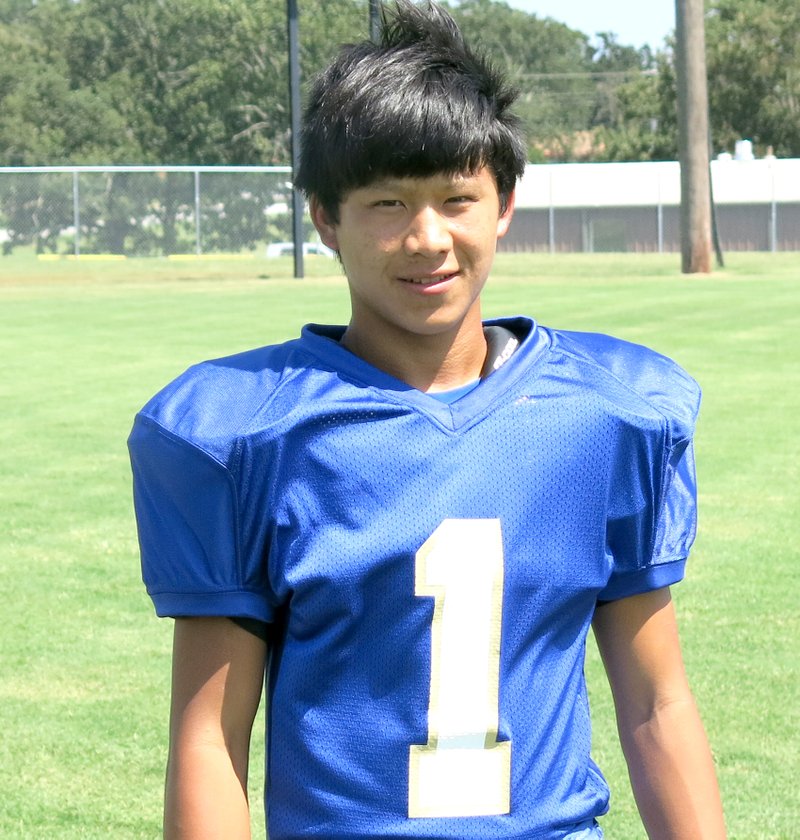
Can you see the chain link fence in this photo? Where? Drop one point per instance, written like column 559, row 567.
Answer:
column 145, row 211
column 196, row 210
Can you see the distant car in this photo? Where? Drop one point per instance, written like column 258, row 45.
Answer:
column 286, row 249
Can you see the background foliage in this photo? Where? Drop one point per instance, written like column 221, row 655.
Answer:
column 205, row 81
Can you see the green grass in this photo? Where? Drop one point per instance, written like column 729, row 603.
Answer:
column 84, row 665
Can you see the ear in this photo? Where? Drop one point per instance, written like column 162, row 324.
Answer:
column 323, row 223
column 505, row 217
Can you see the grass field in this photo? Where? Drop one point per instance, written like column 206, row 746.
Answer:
column 84, row 665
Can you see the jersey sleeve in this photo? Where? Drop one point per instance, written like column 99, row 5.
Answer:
column 654, row 510
column 188, row 520
column 648, row 549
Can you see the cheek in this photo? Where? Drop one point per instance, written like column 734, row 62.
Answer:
column 361, row 261
column 480, row 247
column 365, row 241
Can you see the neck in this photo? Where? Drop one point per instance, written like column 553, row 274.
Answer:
column 437, row 362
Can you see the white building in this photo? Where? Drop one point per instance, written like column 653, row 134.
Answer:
column 636, row 206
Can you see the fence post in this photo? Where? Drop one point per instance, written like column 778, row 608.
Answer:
column 76, row 213
column 587, row 232
column 660, row 227
column 773, row 213
column 659, row 217
column 774, row 226
column 197, row 248
column 551, row 216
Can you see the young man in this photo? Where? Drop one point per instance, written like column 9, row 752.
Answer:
column 419, row 516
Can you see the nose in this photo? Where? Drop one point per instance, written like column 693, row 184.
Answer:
column 428, row 233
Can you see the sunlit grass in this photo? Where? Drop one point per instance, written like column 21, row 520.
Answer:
column 85, row 665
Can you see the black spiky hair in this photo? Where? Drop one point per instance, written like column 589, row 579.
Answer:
column 417, row 103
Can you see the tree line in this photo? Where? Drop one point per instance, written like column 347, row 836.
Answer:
column 205, row 81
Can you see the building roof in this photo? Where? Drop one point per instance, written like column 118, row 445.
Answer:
column 655, row 183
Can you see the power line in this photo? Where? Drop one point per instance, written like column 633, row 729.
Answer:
column 596, row 74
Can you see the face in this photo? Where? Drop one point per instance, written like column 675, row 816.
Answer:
column 416, row 252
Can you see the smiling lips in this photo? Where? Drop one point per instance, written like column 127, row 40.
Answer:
column 428, row 280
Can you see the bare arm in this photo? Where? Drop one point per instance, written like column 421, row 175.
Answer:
column 662, row 736
column 217, row 675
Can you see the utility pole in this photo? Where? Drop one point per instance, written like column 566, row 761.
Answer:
column 693, row 137
column 298, row 204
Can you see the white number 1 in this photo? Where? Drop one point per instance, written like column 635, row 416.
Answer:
column 463, row 770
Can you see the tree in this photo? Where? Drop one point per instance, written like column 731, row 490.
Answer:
column 753, row 57
column 210, row 76
column 184, row 82
column 550, row 64
column 612, row 65
column 569, row 85
column 205, row 81
column 181, row 74
column 15, row 10
column 189, row 81
column 753, row 67
column 644, row 124
column 43, row 118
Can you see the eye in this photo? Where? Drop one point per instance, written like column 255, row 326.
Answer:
column 461, row 200
column 387, row 202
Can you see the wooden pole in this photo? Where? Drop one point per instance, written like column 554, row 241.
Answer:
column 693, row 137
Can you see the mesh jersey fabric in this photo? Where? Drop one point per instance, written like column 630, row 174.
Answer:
column 296, row 484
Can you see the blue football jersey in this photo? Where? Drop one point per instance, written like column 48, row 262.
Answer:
column 429, row 570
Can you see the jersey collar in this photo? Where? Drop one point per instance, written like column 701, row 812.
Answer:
column 324, row 342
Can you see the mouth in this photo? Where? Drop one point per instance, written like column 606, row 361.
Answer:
column 428, row 279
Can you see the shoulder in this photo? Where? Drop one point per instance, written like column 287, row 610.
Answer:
column 215, row 402
column 634, row 376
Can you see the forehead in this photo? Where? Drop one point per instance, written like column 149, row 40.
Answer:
column 482, row 178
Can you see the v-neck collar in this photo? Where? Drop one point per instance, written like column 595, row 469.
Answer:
column 324, row 342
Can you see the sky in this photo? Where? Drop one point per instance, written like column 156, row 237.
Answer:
column 636, row 22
